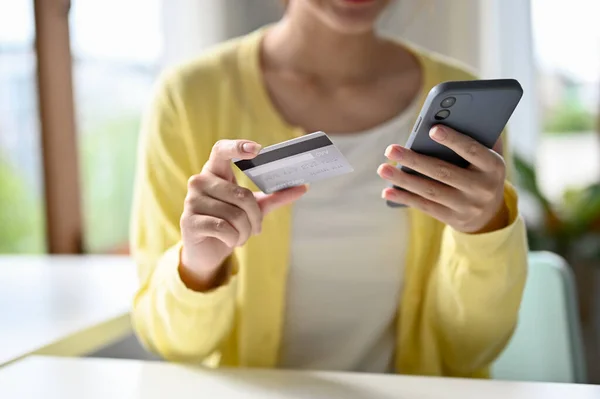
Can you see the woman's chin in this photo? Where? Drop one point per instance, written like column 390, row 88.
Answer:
column 360, row 2
column 357, row 16
column 362, row 5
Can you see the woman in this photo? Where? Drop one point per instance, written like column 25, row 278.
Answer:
column 336, row 280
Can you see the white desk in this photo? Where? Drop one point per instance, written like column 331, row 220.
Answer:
column 71, row 378
column 63, row 305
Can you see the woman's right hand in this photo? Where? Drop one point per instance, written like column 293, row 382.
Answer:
column 219, row 215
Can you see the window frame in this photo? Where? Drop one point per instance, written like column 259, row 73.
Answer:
column 57, row 127
column 506, row 51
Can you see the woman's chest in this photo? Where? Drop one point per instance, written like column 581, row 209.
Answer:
column 346, row 236
column 343, row 222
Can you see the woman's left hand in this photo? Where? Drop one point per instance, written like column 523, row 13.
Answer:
column 470, row 200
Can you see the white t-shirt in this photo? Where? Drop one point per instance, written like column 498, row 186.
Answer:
column 347, row 260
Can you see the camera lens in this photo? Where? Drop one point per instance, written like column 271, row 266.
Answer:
column 448, row 102
column 443, row 114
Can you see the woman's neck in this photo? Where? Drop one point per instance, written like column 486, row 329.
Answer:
column 301, row 44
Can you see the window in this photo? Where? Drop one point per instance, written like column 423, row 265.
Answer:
column 116, row 46
column 567, row 47
column 21, row 191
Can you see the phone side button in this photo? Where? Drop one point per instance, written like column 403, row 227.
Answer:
column 418, row 123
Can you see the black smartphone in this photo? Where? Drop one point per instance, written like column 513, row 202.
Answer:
column 478, row 108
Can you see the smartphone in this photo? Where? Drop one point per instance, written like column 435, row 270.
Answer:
column 478, row 108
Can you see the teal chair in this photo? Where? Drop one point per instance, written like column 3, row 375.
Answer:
column 547, row 344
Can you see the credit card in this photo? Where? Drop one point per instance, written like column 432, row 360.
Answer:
column 295, row 162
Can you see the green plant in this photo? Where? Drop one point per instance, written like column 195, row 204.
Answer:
column 21, row 220
column 108, row 164
column 570, row 228
column 569, row 118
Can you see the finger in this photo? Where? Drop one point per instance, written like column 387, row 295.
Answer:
column 426, row 188
column 270, row 202
column 412, row 200
column 473, row 152
column 210, row 226
column 240, row 197
column 219, row 162
column 235, row 216
column 499, row 147
column 434, row 168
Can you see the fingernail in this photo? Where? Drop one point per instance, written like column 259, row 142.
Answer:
column 251, row 148
column 438, row 133
column 388, row 193
column 386, row 172
column 394, row 153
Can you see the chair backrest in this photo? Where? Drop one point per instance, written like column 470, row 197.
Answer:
column 547, row 344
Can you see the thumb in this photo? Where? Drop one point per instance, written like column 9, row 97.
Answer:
column 270, row 202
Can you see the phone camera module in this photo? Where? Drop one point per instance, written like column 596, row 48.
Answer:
column 441, row 115
column 448, row 102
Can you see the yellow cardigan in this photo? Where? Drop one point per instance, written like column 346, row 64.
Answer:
column 462, row 292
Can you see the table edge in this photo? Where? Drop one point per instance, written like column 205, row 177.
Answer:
column 84, row 341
